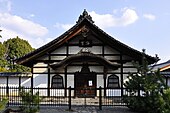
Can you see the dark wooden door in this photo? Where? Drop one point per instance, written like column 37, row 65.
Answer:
column 85, row 84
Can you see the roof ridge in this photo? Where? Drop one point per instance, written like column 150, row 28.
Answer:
column 85, row 15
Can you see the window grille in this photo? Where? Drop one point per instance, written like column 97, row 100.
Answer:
column 57, row 81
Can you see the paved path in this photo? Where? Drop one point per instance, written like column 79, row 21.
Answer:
column 86, row 110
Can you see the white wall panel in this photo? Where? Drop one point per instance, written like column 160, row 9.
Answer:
column 3, row 81
column 40, row 80
column 112, row 57
column 26, row 82
column 70, row 81
column 74, row 49
column 96, row 49
column 100, row 81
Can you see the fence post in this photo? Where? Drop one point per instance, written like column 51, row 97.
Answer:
column 7, row 89
column 69, row 101
column 100, row 98
column 138, row 92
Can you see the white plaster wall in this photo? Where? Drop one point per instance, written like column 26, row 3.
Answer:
column 40, row 80
column 40, row 70
column 58, row 57
column 96, row 49
column 26, row 82
column 112, row 57
column 96, row 68
column 13, row 81
column 70, row 81
column 100, row 81
column 74, row 68
column 3, row 81
column 74, row 49
column 40, row 64
column 129, row 70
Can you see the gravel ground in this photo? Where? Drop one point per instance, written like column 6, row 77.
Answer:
column 86, row 110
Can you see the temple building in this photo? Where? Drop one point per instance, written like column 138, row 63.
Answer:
column 83, row 57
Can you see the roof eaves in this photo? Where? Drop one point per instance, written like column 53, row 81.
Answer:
column 46, row 46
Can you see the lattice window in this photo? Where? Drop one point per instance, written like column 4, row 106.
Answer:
column 57, row 81
column 113, row 81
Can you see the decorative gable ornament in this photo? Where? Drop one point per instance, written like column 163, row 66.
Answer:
column 85, row 15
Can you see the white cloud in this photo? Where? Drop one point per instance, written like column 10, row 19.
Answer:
column 13, row 25
column 129, row 16
column 149, row 16
column 21, row 25
column 63, row 26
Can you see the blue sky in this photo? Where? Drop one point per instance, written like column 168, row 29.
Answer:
column 139, row 24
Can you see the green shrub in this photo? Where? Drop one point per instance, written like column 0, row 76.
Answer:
column 30, row 101
column 3, row 103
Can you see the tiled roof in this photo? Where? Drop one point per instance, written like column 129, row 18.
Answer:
column 28, row 74
column 83, row 20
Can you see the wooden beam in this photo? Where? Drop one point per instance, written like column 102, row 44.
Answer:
column 105, row 78
column 48, row 83
column 32, row 80
column 121, row 75
column 65, row 71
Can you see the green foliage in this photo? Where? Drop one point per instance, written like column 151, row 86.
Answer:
column 3, row 103
column 147, row 90
column 30, row 101
column 3, row 61
column 165, row 107
column 11, row 49
column 17, row 47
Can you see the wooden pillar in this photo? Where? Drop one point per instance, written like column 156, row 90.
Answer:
column 19, row 81
column 7, row 85
column 65, row 71
column 48, row 83
column 105, row 78
column 121, row 74
column 166, row 81
column 32, row 80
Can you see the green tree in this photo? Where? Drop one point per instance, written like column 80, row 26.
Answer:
column 3, row 62
column 15, row 48
column 147, row 91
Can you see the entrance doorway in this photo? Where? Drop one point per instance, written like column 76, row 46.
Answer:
column 85, row 83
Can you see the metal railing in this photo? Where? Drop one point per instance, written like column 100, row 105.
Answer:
column 67, row 96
